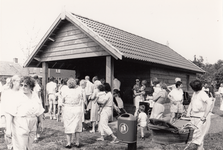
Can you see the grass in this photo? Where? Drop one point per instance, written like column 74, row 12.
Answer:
column 53, row 138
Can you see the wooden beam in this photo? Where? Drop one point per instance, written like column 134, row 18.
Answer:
column 73, row 56
column 37, row 59
column 45, row 81
column 54, row 64
column 68, row 66
column 61, row 65
column 38, row 63
column 51, row 39
column 110, row 73
column 74, row 67
column 109, row 70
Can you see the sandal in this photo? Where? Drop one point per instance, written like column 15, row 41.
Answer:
column 100, row 139
column 77, row 145
column 68, row 146
column 114, row 141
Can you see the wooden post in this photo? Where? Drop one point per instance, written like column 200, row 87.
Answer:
column 110, row 74
column 44, row 82
column 109, row 70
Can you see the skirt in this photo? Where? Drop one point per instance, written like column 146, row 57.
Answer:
column 72, row 116
column 94, row 111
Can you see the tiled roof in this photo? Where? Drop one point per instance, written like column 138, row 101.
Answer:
column 139, row 48
column 11, row 68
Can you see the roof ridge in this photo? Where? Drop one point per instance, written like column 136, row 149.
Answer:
column 118, row 29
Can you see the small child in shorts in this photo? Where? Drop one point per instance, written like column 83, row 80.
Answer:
column 142, row 120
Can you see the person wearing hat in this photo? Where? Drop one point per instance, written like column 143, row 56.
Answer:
column 176, row 100
column 173, row 86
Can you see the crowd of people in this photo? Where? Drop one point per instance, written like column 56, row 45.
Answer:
column 22, row 110
column 199, row 109
column 71, row 99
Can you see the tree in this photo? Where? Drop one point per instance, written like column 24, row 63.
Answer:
column 28, row 43
column 219, row 73
column 213, row 72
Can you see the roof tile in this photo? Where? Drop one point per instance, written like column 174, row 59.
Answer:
column 139, row 48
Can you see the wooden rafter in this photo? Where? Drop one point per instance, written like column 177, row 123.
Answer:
column 54, row 64
column 61, row 65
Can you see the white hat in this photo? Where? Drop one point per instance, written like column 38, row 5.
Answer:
column 177, row 79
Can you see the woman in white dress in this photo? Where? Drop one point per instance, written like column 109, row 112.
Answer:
column 72, row 111
column 199, row 112
column 14, row 85
column 23, row 115
column 84, row 100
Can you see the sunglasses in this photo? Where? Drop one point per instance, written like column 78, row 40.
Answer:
column 25, row 85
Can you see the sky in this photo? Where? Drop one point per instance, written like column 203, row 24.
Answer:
column 189, row 27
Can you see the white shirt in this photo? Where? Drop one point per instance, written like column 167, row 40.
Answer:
column 177, row 94
column 171, row 87
column 22, row 105
column 89, row 88
column 142, row 119
column 73, row 96
column 108, row 100
column 220, row 90
column 51, row 87
column 63, row 89
column 37, row 88
column 199, row 101
column 157, row 89
column 116, row 84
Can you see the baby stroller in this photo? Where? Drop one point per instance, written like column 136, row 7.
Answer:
column 165, row 133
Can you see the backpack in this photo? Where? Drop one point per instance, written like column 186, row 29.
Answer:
column 186, row 98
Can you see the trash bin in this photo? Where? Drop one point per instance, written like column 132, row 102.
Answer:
column 127, row 128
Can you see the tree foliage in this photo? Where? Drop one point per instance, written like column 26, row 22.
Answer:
column 213, row 72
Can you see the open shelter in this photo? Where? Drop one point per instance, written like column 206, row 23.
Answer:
column 93, row 48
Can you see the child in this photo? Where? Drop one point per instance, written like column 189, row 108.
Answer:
column 100, row 96
column 142, row 120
